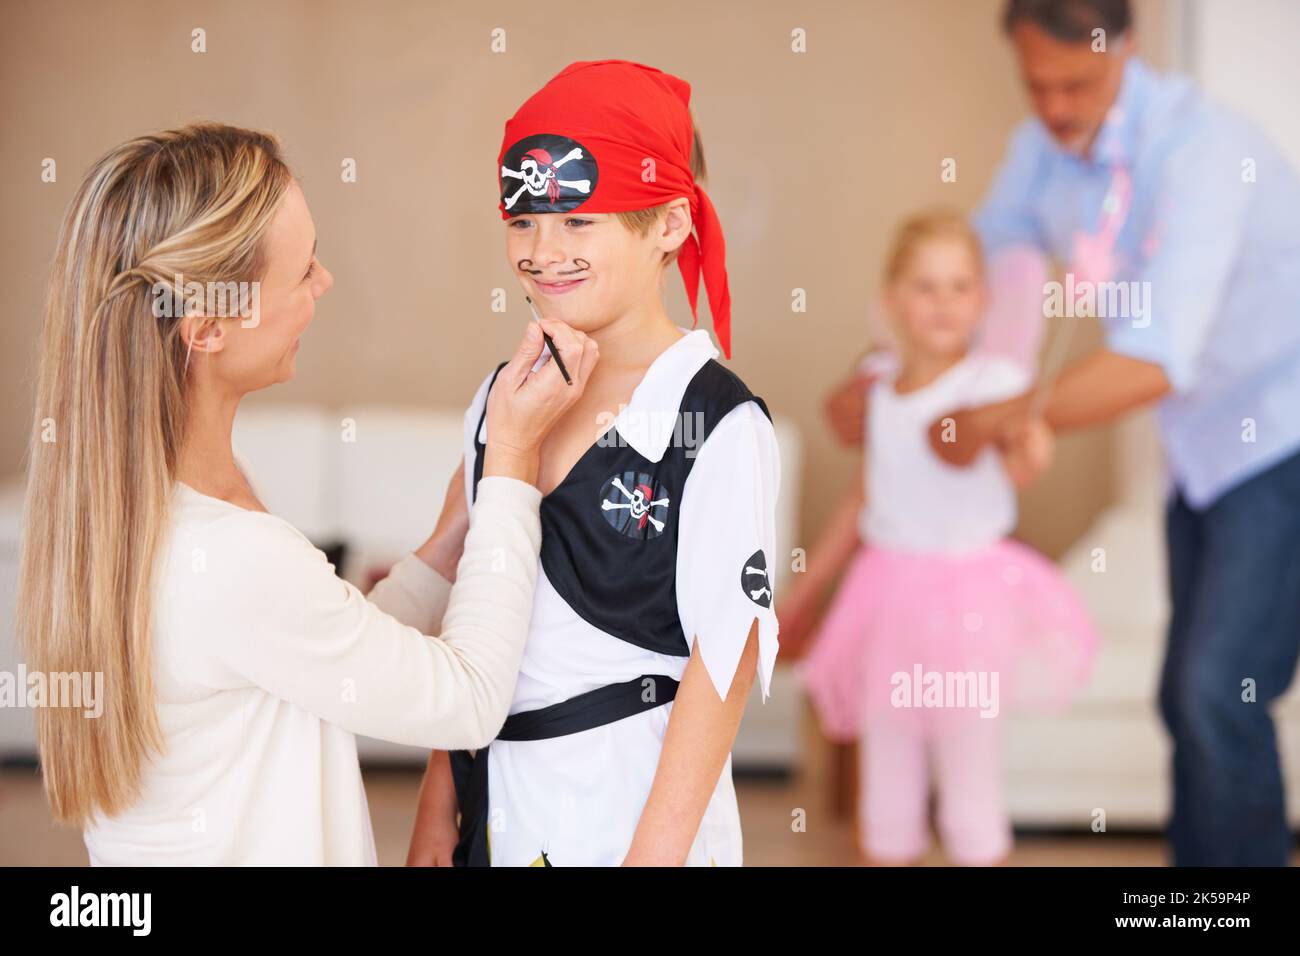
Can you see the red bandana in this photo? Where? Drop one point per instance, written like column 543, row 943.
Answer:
column 614, row 136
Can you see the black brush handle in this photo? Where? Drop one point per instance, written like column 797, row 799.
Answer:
column 555, row 353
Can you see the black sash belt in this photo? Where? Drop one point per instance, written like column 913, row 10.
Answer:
column 598, row 707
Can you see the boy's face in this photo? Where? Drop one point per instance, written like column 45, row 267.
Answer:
column 583, row 269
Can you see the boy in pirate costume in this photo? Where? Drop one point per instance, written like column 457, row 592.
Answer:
column 654, row 601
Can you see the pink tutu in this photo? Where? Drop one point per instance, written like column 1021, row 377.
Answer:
column 931, row 638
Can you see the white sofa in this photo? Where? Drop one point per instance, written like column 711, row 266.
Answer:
column 374, row 478
column 1111, row 751
column 17, row 727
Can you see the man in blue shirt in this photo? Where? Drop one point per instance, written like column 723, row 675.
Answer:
column 1191, row 211
column 1178, row 224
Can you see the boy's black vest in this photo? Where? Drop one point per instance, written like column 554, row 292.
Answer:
column 609, row 548
column 609, row 529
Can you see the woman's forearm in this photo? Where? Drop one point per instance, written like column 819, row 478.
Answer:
column 701, row 731
column 507, row 462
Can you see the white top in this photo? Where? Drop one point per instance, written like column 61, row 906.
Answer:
column 266, row 663
column 728, row 512
column 578, row 798
column 915, row 501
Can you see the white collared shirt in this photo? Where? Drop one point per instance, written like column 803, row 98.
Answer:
column 576, row 799
column 733, row 484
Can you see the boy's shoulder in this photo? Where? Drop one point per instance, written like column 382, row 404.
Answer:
column 717, row 389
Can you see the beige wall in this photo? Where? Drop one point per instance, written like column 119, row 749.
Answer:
column 813, row 158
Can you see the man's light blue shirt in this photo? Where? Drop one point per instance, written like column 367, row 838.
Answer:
column 1214, row 228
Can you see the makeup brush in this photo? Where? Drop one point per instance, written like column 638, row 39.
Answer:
column 550, row 344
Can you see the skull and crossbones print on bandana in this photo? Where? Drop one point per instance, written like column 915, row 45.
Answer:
column 613, row 136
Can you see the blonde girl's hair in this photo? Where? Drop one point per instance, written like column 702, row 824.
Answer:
column 913, row 232
column 640, row 220
column 192, row 203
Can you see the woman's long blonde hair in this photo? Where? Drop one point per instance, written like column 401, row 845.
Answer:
column 192, row 203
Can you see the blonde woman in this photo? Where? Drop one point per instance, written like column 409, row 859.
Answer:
column 237, row 666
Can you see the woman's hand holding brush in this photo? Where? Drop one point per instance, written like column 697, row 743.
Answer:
column 524, row 404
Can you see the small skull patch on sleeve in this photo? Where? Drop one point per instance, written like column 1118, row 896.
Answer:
column 754, row 580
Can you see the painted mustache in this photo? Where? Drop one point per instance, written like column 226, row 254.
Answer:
column 526, row 265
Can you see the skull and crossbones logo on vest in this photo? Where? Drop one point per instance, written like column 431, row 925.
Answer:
column 629, row 502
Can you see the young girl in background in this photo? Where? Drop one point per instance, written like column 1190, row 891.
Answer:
column 941, row 619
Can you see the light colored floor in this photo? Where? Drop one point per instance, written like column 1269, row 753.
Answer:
column 29, row 838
